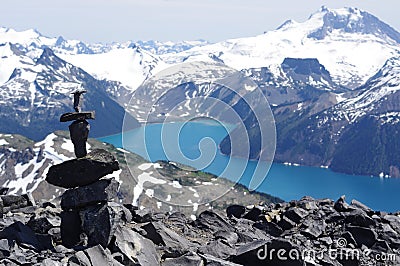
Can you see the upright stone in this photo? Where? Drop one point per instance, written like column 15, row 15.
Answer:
column 79, row 132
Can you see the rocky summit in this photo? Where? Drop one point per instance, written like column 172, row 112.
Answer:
column 303, row 232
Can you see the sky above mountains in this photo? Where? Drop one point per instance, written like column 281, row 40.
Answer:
column 174, row 20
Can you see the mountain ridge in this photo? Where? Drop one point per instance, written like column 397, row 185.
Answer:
column 334, row 67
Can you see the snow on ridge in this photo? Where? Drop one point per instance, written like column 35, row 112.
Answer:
column 3, row 142
column 143, row 178
column 29, row 181
column 49, row 150
column 126, row 65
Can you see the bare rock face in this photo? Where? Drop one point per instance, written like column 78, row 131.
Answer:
column 82, row 172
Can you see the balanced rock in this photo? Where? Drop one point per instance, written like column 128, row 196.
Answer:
column 84, row 171
column 100, row 191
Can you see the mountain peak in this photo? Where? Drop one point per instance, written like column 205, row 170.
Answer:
column 351, row 20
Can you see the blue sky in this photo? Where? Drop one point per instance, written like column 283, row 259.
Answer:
column 213, row 20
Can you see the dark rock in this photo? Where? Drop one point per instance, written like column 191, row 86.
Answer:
column 254, row 245
column 334, row 217
column 79, row 258
column 100, row 257
column 388, row 231
column 230, row 237
column 381, row 246
column 394, row 222
column 6, row 247
column 235, row 211
column 22, row 234
column 49, row 262
column 253, row 214
column 29, row 210
column 342, row 206
column 4, row 190
column 132, row 208
column 286, row 224
column 349, row 240
column 213, row 261
column 55, row 234
column 314, row 229
column 40, row 225
column 45, row 241
column 81, row 172
column 218, row 248
column 247, row 232
column 120, row 211
column 325, row 202
column 70, row 228
column 212, row 221
column 79, row 132
column 178, row 219
column 363, row 236
column 142, row 216
column 189, row 259
column 258, row 253
column 100, row 191
column 358, row 217
column 135, row 248
column 77, row 116
column 296, row 214
column 327, row 241
column 11, row 202
column 48, row 204
column 307, row 203
column 161, row 235
column 98, row 223
column 360, row 205
column 270, row 228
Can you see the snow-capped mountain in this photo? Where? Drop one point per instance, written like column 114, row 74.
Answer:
column 295, row 80
column 341, row 40
column 358, row 135
column 160, row 48
column 323, row 77
column 126, row 62
column 38, row 91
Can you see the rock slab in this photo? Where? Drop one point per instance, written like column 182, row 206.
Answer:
column 84, row 171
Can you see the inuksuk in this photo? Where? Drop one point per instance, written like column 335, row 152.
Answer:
column 88, row 215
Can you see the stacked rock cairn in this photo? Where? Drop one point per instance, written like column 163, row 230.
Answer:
column 89, row 215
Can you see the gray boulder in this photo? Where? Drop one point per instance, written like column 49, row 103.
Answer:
column 136, row 249
column 363, row 236
column 189, row 259
column 163, row 236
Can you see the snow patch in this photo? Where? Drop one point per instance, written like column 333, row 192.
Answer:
column 143, row 178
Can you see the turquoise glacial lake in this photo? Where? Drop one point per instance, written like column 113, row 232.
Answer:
column 195, row 144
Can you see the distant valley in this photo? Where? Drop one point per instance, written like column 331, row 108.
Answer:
column 332, row 82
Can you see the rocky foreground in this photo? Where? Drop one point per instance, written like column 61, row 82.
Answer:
column 304, row 232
